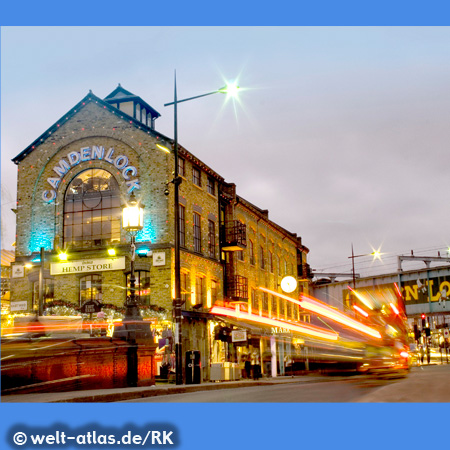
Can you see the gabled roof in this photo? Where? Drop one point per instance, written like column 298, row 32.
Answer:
column 120, row 95
column 80, row 105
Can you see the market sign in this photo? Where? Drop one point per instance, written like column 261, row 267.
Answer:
column 18, row 270
column 159, row 258
column 91, row 306
column 238, row 336
column 87, row 265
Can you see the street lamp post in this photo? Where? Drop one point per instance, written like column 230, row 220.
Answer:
column 178, row 302
column 132, row 324
column 41, row 283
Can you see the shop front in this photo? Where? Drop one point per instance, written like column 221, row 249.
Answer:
column 242, row 350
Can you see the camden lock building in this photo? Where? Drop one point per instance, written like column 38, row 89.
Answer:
column 72, row 183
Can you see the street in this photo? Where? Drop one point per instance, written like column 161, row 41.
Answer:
column 424, row 384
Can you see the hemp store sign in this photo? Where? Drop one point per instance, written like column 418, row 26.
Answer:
column 87, row 265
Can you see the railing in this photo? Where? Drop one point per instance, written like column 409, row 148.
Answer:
column 237, row 288
column 233, row 236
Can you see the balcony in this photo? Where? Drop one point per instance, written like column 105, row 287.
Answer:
column 237, row 288
column 233, row 236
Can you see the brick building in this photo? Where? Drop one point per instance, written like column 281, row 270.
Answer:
column 72, row 182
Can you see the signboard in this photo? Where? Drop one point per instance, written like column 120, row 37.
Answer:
column 446, row 333
column 18, row 271
column 93, row 153
column 19, row 306
column 238, row 336
column 159, row 258
column 87, row 265
column 91, row 306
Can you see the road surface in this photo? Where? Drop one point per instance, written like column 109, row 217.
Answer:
column 424, row 384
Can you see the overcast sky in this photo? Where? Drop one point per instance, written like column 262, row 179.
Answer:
column 341, row 133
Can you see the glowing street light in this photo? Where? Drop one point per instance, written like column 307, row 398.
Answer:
column 376, row 255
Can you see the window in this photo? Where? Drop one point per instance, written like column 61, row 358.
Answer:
column 261, row 258
column 295, row 310
column 197, row 233
column 143, row 116
column 240, row 255
column 270, row 261
column 265, row 302
column 138, row 112
column 92, row 210
column 213, row 292
column 196, row 176
column 182, row 222
column 252, row 253
column 255, row 305
column 141, row 286
column 184, row 285
column 212, row 238
column 199, row 290
column 211, row 186
column 90, row 288
column 285, row 267
column 289, row 309
column 282, row 307
column 274, row 306
column 181, row 171
column 279, row 265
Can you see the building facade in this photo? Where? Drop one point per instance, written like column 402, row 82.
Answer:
column 73, row 181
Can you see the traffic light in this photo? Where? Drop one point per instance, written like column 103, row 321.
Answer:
column 416, row 332
column 423, row 321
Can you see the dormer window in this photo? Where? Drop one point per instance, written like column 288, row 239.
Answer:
column 138, row 112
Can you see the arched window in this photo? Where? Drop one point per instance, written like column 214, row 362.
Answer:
column 90, row 288
column 92, row 210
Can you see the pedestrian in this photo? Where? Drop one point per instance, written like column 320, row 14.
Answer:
column 428, row 354
column 422, row 353
column 256, row 365
column 247, row 367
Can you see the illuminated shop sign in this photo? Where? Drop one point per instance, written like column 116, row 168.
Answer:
column 72, row 159
column 87, row 265
column 422, row 290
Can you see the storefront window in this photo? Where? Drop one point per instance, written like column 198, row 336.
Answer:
column 90, row 288
column 92, row 210
column 142, row 286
